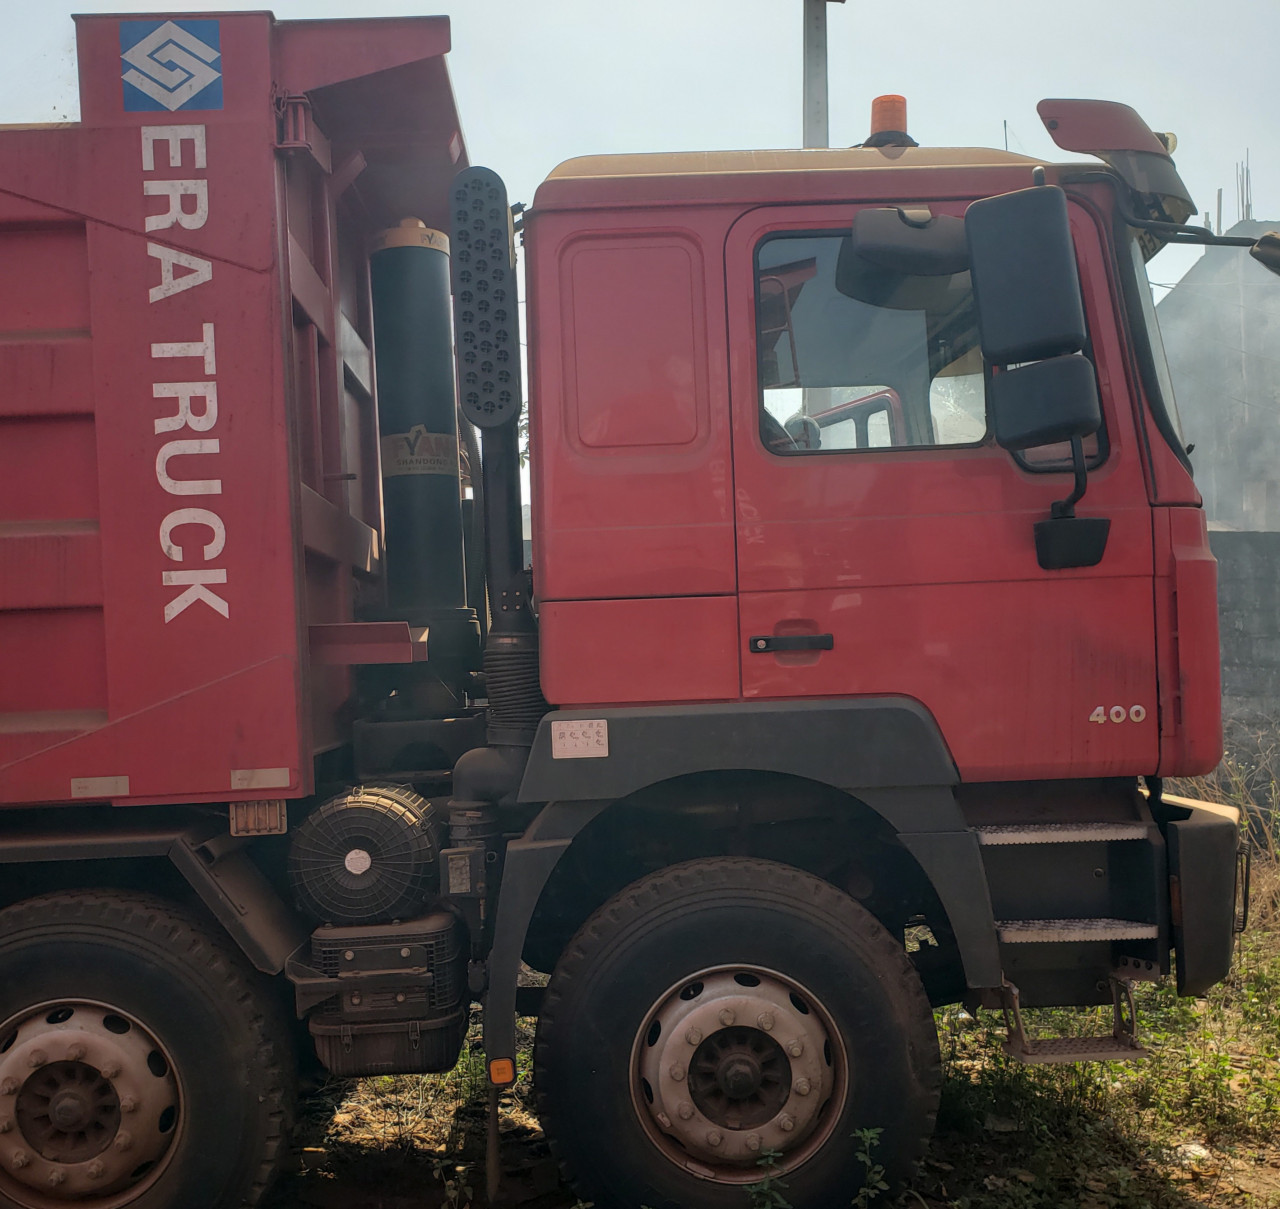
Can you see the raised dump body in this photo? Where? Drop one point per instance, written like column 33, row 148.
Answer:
column 188, row 442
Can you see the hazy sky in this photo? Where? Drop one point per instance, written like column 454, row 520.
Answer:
column 541, row 80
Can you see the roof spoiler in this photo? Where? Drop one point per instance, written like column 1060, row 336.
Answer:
column 1126, row 144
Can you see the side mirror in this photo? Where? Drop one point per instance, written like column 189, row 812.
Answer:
column 1031, row 327
column 1267, row 251
column 1031, row 315
column 1045, row 402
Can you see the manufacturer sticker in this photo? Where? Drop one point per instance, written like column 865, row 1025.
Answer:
column 171, row 65
column 419, row 452
column 580, row 739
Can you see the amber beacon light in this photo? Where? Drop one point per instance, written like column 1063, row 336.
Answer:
column 889, row 122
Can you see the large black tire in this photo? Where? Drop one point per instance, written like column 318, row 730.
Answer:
column 155, row 1042
column 643, row 962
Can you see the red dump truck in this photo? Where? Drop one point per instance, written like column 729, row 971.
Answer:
column 870, row 605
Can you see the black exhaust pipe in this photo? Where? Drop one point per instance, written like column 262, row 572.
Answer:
column 487, row 329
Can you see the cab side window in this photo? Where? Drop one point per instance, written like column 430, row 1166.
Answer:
column 849, row 363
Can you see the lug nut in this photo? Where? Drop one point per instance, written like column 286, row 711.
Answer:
column 685, row 1111
column 765, row 1021
column 124, row 1140
column 714, row 1138
column 37, row 1058
column 753, row 1142
column 111, row 1070
column 56, row 1178
column 795, row 1048
column 802, row 1087
column 94, row 1170
column 19, row 1159
column 8, row 1087
column 693, row 1036
column 676, row 1071
column 76, row 1053
column 727, row 1017
column 128, row 1103
column 664, row 1120
column 786, row 1123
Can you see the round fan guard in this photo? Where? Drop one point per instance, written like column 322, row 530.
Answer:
column 369, row 855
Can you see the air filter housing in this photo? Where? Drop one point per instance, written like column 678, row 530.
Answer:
column 369, row 855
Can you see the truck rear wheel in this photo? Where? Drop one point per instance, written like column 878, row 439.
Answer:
column 140, row 1066
column 726, row 1009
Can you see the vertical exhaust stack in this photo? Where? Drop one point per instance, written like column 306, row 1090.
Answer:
column 486, row 318
column 418, row 436
column 487, row 325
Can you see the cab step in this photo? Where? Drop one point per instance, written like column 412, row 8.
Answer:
column 1009, row 834
column 1064, row 931
column 1122, row 1045
column 1056, row 1050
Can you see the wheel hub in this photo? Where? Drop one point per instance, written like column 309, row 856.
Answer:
column 88, row 1104
column 734, row 1062
column 740, row 1078
column 68, row 1112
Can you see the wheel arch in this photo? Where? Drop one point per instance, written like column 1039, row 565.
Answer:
column 920, row 825
column 191, row 860
column 792, row 820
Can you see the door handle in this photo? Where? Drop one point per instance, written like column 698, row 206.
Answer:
column 763, row 644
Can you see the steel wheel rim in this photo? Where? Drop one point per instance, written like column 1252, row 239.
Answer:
column 734, row 1061
column 90, row 1106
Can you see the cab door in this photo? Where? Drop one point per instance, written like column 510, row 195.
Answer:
column 885, row 543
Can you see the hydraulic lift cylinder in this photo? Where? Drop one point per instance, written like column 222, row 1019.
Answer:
column 417, row 422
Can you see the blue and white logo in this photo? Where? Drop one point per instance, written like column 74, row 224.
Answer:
column 170, row 65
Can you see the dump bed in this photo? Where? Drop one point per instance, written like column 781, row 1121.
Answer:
column 189, row 482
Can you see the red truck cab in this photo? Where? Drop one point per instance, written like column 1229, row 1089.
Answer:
column 681, row 306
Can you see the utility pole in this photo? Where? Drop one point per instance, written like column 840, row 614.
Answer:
column 816, row 132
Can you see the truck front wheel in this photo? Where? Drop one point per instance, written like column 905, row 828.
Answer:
column 724, row 1020
column 140, row 1064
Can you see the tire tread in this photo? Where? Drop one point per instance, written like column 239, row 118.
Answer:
column 146, row 916
column 784, row 884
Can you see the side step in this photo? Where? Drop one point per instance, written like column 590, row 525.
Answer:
column 1122, row 1045
column 1007, row 834
column 1062, row 931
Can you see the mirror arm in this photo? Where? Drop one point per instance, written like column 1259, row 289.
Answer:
column 1065, row 509
column 1172, row 231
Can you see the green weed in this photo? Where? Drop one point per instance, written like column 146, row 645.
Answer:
column 767, row 1193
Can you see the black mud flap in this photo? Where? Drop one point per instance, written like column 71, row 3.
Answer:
column 1203, row 888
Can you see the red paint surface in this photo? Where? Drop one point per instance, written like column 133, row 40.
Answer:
column 920, row 563
column 630, row 436
column 637, row 652
column 1092, row 126
column 97, row 683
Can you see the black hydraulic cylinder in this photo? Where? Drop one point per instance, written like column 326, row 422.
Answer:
column 417, row 423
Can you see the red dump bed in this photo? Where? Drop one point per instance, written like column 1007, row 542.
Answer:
column 189, row 478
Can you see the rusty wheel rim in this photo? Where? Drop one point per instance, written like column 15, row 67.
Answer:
column 733, row 1062
column 90, row 1106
